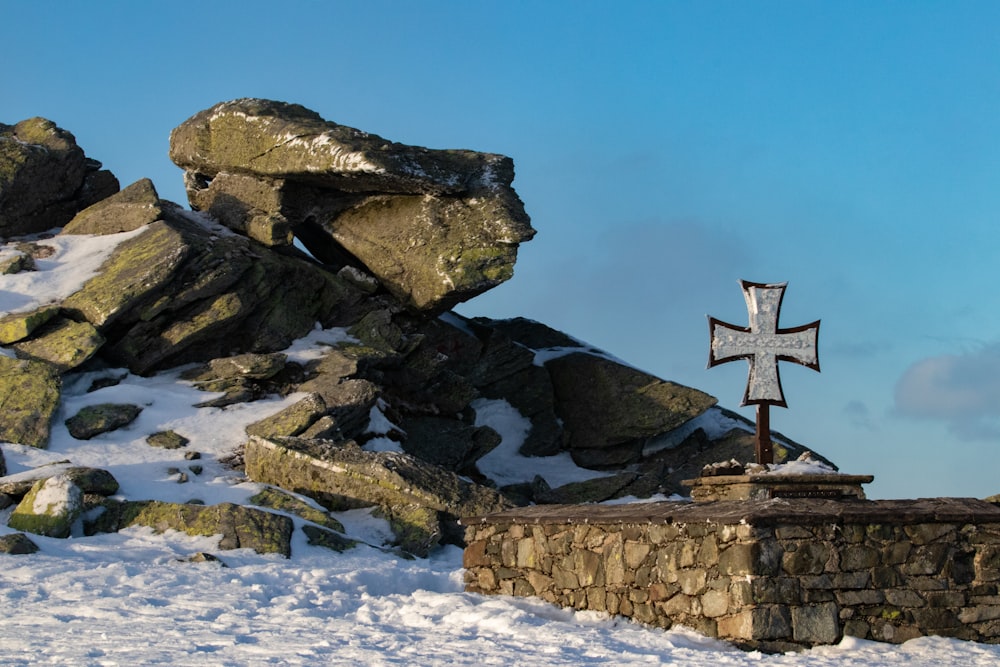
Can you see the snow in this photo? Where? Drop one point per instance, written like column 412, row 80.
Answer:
column 134, row 598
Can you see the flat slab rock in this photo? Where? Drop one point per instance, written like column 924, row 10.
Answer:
column 772, row 512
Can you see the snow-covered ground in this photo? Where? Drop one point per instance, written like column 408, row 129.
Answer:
column 132, row 598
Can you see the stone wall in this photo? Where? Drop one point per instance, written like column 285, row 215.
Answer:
column 766, row 574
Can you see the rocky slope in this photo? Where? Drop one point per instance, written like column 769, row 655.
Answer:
column 394, row 236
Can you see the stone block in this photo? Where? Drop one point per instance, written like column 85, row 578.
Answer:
column 808, row 558
column 815, row 624
column 714, row 603
column 858, row 557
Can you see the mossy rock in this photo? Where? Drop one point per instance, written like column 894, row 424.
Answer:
column 241, row 527
column 29, row 397
column 18, row 326
column 588, row 491
column 293, row 420
column 167, row 440
column 134, row 207
column 49, row 508
column 90, row 480
column 276, row 499
column 17, row 544
column 417, row 528
column 63, row 343
column 328, row 539
column 94, row 420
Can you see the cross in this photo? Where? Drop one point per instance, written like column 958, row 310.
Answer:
column 763, row 345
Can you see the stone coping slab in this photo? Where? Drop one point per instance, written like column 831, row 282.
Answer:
column 835, row 486
column 768, row 512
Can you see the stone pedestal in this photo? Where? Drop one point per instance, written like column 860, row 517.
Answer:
column 762, row 486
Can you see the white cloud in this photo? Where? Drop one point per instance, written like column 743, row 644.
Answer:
column 962, row 390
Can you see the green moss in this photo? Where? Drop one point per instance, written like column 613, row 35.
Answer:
column 18, row 326
column 279, row 500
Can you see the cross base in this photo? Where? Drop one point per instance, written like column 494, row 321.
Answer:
column 761, row 486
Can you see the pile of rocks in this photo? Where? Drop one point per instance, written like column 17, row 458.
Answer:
column 396, row 236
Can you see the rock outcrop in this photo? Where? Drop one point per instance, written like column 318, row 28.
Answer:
column 400, row 414
column 45, row 178
column 436, row 227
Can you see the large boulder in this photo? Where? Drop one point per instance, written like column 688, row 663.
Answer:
column 135, row 206
column 436, row 227
column 29, row 397
column 187, row 290
column 49, row 508
column 610, row 410
column 45, row 178
column 240, row 527
column 421, row 500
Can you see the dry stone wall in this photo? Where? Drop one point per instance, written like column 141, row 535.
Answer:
column 766, row 574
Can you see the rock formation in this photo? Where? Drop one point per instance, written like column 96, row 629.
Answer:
column 396, row 235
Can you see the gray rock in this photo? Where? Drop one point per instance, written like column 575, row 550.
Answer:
column 167, row 440
column 240, row 527
column 49, row 508
column 449, row 443
column 93, row 420
column 61, row 342
column 184, row 291
column 17, row 544
column 45, row 178
column 134, row 207
column 96, row 481
column 29, row 397
column 436, row 227
column 605, row 405
column 344, row 477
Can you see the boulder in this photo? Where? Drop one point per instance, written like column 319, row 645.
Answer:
column 185, row 290
column 134, row 207
column 17, row 544
column 436, row 227
column 167, row 440
column 29, row 397
column 276, row 499
column 18, row 326
column 449, row 443
column 342, row 477
column 49, row 508
column 63, row 343
column 610, row 410
column 240, row 527
column 93, row 420
column 91, row 481
column 45, row 178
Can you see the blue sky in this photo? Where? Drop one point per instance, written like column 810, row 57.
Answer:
column 664, row 150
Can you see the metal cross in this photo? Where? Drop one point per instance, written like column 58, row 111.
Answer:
column 763, row 345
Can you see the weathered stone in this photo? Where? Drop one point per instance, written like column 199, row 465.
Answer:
column 436, row 227
column 17, row 544
column 49, row 508
column 417, row 528
column 29, row 397
column 181, row 292
column 45, row 178
column 223, row 373
column 135, row 206
column 277, row 499
column 90, row 480
column 604, row 404
column 167, row 440
column 293, row 420
column 449, row 443
column 589, row 491
column 328, row 539
column 816, row 624
column 92, row 420
column 808, row 558
column 16, row 262
column 63, row 343
column 342, row 477
column 240, row 527
column 18, row 326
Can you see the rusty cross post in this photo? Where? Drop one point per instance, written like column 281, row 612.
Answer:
column 763, row 345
